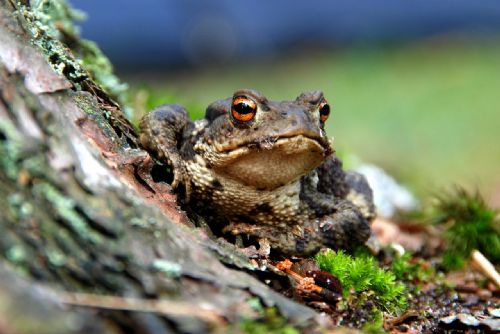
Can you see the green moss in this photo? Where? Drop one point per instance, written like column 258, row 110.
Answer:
column 470, row 224
column 10, row 149
column 101, row 70
column 362, row 276
column 405, row 268
column 58, row 17
column 270, row 322
column 58, row 55
column 51, row 23
column 65, row 208
column 376, row 325
column 55, row 257
column 16, row 254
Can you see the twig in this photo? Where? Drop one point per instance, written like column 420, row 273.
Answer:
column 160, row 306
column 485, row 267
column 304, row 283
column 390, row 323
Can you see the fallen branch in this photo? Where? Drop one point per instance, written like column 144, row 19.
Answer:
column 163, row 307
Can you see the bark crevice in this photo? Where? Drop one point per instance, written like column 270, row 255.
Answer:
column 81, row 212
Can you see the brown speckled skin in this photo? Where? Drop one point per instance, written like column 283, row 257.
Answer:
column 275, row 178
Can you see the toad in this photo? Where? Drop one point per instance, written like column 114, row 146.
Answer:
column 263, row 172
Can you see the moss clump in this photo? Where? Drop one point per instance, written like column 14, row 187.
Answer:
column 101, row 70
column 406, row 268
column 270, row 322
column 52, row 26
column 470, row 224
column 363, row 276
column 376, row 326
column 49, row 23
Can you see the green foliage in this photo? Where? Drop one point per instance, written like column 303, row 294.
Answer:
column 362, row 275
column 271, row 322
column 471, row 224
column 425, row 92
column 407, row 269
column 146, row 98
column 151, row 98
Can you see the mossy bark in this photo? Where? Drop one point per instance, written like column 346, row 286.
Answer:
column 80, row 212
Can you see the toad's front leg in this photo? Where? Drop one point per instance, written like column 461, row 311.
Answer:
column 349, row 185
column 161, row 131
column 340, row 224
column 345, row 228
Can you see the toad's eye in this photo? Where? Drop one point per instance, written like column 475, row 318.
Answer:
column 324, row 111
column 243, row 109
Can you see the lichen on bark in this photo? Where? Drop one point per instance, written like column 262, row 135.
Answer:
column 82, row 213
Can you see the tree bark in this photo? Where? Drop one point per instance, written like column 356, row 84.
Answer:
column 82, row 221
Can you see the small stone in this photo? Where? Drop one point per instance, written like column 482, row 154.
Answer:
column 468, row 319
column 448, row 320
column 492, row 324
column 462, row 318
column 495, row 312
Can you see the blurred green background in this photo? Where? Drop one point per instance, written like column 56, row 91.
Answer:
column 415, row 86
column 428, row 112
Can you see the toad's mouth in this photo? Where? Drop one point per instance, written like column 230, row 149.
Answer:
column 274, row 163
column 267, row 143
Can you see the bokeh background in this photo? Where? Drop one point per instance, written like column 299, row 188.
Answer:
column 415, row 85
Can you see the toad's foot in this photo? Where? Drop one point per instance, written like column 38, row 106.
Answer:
column 262, row 253
column 346, row 228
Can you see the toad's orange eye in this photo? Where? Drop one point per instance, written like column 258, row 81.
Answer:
column 243, row 109
column 324, row 111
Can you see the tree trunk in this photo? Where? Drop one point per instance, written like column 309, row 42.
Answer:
column 82, row 221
